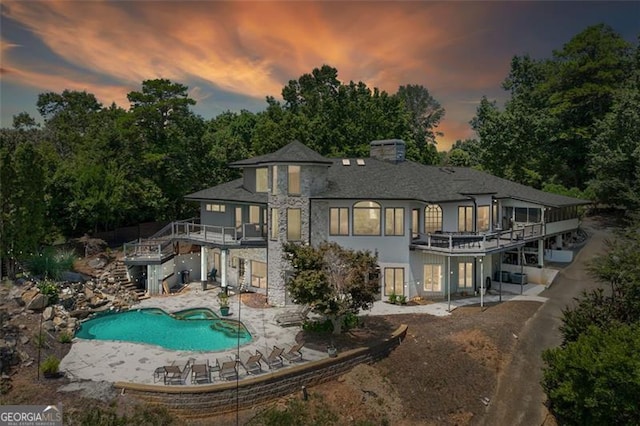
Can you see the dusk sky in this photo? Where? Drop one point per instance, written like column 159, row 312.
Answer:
column 232, row 55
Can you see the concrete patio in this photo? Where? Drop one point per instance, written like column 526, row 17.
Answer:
column 115, row 361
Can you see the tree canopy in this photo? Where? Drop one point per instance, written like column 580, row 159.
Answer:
column 335, row 281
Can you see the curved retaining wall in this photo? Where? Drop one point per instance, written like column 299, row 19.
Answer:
column 205, row 400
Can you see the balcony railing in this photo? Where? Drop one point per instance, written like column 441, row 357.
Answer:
column 455, row 242
column 160, row 244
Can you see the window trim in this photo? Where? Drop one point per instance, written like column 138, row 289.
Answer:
column 468, row 220
column 297, row 182
column 395, row 271
column 465, row 271
column 432, row 216
column 215, row 207
column 487, row 227
column 356, row 208
column 342, row 212
column 395, row 232
column 265, row 182
column 291, row 237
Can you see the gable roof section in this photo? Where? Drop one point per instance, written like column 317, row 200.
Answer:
column 230, row 191
column 293, row 153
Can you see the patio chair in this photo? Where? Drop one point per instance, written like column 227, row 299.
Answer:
column 274, row 360
column 251, row 363
column 296, row 317
column 176, row 375
column 214, row 368
column 294, row 354
column 200, row 372
column 160, row 372
column 229, row 370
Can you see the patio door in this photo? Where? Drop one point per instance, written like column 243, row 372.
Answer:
column 433, row 278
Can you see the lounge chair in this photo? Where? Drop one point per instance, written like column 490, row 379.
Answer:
column 274, row 360
column 176, row 375
column 251, row 363
column 294, row 354
column 229, row 370
column 200, row 372
column 296, row 317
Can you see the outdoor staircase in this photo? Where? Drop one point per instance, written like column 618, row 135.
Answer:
column 120, row 275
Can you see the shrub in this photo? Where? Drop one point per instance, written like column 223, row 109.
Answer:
column 50, row 263
column 596, row 379
column 50, row 365
column 49, row 289
column 350, row 321
column 393, row 298
column 320, row 326
column 65, row 337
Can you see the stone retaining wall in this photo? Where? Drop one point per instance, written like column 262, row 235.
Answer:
column 206, row 400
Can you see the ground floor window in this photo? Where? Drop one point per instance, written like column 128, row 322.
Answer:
column 465, row 275
column 258, row 274
column 393, row 281
column 433, row 278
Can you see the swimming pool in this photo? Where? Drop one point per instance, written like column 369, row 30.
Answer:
column 191, row 329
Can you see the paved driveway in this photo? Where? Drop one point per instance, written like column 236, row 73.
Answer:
column 519, row 398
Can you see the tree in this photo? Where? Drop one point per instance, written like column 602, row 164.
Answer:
column 595, row 380
column 331, row 117
column 22, row 202
column 615, row 152
column 333, row 280
column 425, row 114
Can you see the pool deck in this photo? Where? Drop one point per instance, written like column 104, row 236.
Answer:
column 115, row 361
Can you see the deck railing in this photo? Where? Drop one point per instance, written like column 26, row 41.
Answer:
column 474, row 242
column 160, row 244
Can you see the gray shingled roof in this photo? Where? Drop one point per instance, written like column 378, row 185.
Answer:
column 378, row 179
column 295, row 152
column 230, row 191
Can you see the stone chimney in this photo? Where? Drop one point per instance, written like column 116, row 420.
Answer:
column 392, row 150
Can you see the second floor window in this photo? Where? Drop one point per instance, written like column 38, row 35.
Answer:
column 274, row 224
column 415, row 223
column 339, row 221
column 262, row 179
column 218, row 208
column 294, row 225
column 483, row 218
column 394, row 221
column 366, row 218
column 432, row 218
column 294, row 180
column 465, row 219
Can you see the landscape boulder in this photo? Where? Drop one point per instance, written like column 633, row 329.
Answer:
column 38, row 303
column 47, row 314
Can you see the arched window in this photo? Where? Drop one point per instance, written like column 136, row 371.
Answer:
column 432, row 218
column 366, row 218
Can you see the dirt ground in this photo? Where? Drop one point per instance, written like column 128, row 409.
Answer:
column 443, row 373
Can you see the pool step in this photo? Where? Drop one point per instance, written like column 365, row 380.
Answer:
column 230, row 328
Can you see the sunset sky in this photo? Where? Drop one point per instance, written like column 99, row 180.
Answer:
column 232, row 55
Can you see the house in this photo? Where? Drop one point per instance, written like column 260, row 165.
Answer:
column 435, row 230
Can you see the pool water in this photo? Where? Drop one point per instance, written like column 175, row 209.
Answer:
column 190, row 330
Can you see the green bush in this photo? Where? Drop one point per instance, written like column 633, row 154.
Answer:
column 50, row 263
column 50, row 365
column 320, row 326
column 393, row 298
column 595, row 380
column 350, row 321
column 65, row 337
column 49, row 289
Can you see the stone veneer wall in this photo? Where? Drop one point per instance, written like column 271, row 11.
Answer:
column 312, row 180
column 208, row 400
column 248, row 254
